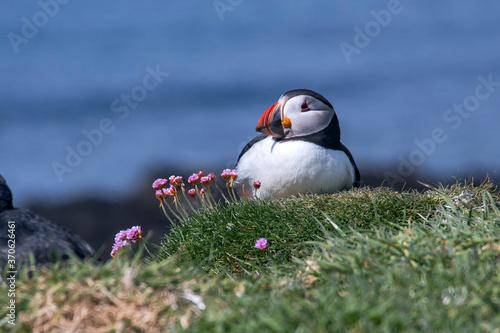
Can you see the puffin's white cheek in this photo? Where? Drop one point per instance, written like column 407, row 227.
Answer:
column 315, row 122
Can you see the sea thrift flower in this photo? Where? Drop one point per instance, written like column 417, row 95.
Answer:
column 134, row 234
column 202, row 192
column 171, row 179
column 178, row 181
column 226, row 174
column 160, row 183
column 229, row 176
column 172, row 191
column 122, row 243
column 124, row 236
column 118, row 245
column 256, row 186
column 261, row 244
column 205, row 181
column 164, row 192
column 192, row 193
column 194, row 179
column 212, row 176
column 159, row 195
column 201, row 174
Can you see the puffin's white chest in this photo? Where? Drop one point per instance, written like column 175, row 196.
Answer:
column 291, row 167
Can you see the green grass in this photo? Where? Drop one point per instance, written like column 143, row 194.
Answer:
column 223, row 238
column 394, row 262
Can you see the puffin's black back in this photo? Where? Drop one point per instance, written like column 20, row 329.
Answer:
column 46, row 240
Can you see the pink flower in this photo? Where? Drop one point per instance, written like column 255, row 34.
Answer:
column 205, row 181
column 160, row 183
column 194, row 179
column 226, row 174
column 212, row 176
column 202, row 192
column 261, row 244
column 122, row 243
column 159, row 194
column 124, row 236
column 178, row 181
column 134, row 234
column 172, row 191
column 256, row 184
column 201, row 174
column 171, row 179
column 118, row 245
column 192, row 193
column 229, row 176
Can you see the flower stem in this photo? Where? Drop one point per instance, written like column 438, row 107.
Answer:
column 208, row 196
column 221, row 192
column 211, row 197
column 181, row 211
column 171, row 210
column 166, row 214
column 231, row 193
column 202, row 200
column 187, row 199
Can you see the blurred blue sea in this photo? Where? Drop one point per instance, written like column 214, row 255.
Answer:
column 223, row 73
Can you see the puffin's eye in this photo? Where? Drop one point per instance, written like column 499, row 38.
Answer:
column 304, row 107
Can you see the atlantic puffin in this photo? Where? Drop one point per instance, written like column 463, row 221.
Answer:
column 23, row 232
column 298, row 152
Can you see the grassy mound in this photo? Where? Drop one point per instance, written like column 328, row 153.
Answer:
column 366, row 260
column 223, row 238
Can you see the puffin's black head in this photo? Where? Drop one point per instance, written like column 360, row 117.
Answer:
column 5, row 196
column 299, row 113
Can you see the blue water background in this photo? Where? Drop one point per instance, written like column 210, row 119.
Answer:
column 224, row 71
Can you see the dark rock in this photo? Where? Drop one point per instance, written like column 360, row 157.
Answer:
column 30, row 232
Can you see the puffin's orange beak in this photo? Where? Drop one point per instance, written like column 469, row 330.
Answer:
column 270, row 121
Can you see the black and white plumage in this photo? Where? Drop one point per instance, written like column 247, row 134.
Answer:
column 299, row 151
column 33, row 233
